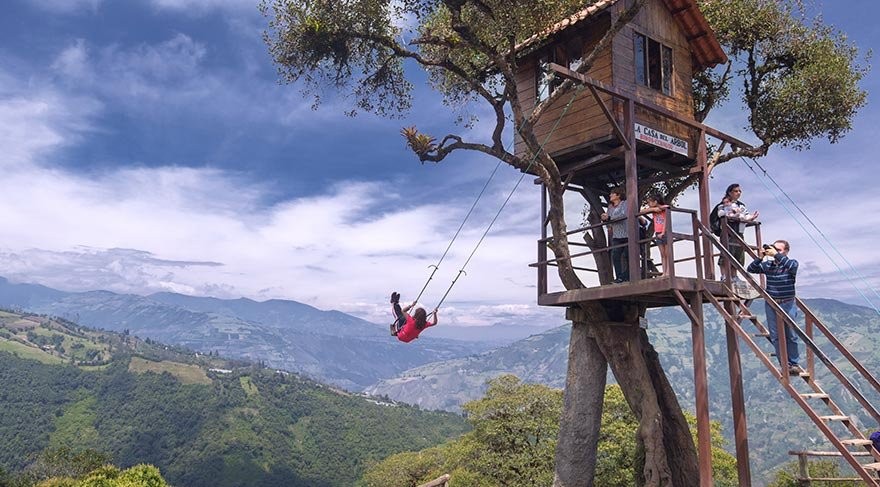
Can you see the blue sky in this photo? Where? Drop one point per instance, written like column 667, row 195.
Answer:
column 146, row 145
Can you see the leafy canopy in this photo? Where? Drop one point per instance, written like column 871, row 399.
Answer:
column 359, row 46
column 515, row 427
column 799, row 77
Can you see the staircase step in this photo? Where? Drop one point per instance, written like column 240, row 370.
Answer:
column 872, row 466
column 856, row 442
column 834, row 417
column 764, row 335
column 744, row 316
column 815, row 395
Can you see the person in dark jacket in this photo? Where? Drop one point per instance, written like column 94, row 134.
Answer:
column 781, row 272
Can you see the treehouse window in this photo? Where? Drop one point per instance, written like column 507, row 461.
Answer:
column 653, row 63
column 569, row 54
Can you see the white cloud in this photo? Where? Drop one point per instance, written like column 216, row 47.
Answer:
column 206, row 231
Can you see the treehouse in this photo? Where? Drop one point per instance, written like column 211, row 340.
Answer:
column 630, row 123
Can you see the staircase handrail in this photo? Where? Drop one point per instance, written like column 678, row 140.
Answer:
column 808, row 341
column 866, row 374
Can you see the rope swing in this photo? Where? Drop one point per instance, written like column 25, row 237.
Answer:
column 461, row 271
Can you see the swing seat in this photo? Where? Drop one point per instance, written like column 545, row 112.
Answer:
column 393, row 327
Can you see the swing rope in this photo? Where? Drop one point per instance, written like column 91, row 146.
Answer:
column 811, row 234
column 436, row 266
column 510, row 195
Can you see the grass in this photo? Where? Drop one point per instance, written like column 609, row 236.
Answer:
column 185, row 373
column 249, row 388
column 75, row 428
column 29, row 353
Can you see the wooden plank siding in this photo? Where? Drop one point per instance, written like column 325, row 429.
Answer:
column 583, row 120
column 655, row 21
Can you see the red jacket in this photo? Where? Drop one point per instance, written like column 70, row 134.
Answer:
column 410, row 332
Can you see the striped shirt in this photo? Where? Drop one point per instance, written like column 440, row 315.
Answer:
column 781, row 273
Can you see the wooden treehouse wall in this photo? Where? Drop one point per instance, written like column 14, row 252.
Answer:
column 584, row 122
column 655, row 21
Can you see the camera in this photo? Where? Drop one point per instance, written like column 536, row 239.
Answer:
column 766, row 247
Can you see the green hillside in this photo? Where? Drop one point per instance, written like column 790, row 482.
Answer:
column 202, row 420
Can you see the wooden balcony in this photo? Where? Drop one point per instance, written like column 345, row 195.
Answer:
column 692, row 273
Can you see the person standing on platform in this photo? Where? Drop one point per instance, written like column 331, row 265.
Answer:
column 617, row 234
column 781, row 272
column 737, row 217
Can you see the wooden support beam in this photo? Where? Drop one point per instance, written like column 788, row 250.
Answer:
column 646, row 104
column 631, row 167
column 610, row 117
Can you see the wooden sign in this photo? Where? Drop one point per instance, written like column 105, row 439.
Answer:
column 666, row 141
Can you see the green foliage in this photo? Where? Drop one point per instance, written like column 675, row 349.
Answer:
column 517, row 425
column 360, row 49
column 513, row 441
column 252, row 427
column 800, row 77
column 110, row 476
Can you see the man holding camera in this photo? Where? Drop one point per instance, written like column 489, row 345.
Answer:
column 781, row 273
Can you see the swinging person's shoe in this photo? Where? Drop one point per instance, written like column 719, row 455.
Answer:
column 395, row 297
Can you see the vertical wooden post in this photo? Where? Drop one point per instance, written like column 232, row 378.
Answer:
column 811, row 359
column 803, row 471
column 698, row 256
column 542, row 245
column 737, row 399
column 705, row 208
column 783, row 349
column 760, row 242
column 701, row 386
column 632, row 190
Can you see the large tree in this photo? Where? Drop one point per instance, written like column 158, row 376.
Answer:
column 515, row 429
column 799, row 82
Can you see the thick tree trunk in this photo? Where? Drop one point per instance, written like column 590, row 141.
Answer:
column 670, row 457
column 578, row 442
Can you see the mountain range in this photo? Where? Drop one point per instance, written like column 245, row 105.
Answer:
column 203, row 420
column 329, row 346
column 443, row 374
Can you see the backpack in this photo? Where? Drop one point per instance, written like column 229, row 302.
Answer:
column 715, row 220
column 875, row 437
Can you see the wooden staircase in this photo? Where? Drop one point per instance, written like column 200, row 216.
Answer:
column 840, row 429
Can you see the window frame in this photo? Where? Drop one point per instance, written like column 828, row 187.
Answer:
column 653, row 64
column 568, row 52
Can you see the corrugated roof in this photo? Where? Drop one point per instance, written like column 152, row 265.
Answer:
column 706, row 50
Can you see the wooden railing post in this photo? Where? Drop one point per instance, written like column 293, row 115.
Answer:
column 670, row 255
column 811, row 359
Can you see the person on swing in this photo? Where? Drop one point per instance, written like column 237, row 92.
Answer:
column 407, row 327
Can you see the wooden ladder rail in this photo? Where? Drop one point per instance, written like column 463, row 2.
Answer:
column 811, row 320
column 781, row 377
column 787, row 320
column 818, row 392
